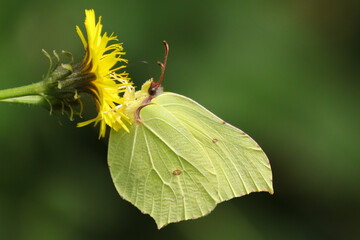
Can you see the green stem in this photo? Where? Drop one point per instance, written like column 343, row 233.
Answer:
column 32, row 89
column 30, row 94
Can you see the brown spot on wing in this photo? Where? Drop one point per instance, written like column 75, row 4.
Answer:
column 176, row 172
column 214, row 140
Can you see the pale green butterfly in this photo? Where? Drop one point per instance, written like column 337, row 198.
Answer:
column 180, row 160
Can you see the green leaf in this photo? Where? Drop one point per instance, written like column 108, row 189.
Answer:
column 182, row 160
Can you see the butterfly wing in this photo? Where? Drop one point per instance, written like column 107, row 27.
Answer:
column 240, row 164
column 162, row 169
column 182, row 160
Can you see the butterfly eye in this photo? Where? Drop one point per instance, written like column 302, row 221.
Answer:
column 152, row 91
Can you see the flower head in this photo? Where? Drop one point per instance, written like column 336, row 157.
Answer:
column 102, row 61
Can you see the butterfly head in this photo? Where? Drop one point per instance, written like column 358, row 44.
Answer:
column 149, row 90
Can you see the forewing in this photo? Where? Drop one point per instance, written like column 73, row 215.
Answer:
column 240, row 164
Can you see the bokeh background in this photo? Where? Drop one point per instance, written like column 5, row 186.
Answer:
column 285, row 72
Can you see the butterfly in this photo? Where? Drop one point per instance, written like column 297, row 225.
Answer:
column 179, row 160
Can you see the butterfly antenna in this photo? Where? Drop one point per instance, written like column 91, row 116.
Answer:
column 155, row 85
column 163, row 65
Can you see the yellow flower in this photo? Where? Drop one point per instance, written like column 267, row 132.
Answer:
column 102, row 60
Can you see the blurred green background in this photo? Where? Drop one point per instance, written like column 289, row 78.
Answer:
column 285, row 72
